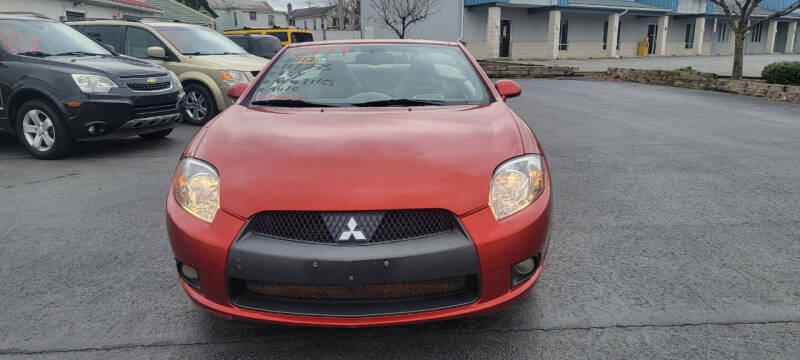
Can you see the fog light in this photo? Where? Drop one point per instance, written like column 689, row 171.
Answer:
column 523, row 270
column 189, row 274
column 525, row 267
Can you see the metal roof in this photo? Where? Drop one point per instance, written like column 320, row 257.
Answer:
column 312, row 11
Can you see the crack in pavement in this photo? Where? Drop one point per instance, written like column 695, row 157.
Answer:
column 22, row 352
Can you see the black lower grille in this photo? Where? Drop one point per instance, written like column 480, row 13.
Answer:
column 356, row 227
column 358, row 292
column 151, row 87
column 149, row 110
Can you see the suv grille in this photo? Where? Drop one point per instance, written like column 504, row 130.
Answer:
column 357, row 292
column 149, row 110
column 150, row 87
column 372, row 226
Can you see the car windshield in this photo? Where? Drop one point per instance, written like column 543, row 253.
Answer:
column 45, row 38
column 198, row 40
column 371, row 75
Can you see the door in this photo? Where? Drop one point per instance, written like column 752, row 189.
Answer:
column 652, row 36
column 505, row 38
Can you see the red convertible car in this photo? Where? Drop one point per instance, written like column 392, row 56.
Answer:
column 362, row 183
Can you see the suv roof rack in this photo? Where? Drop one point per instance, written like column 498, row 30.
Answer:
column 26, row 13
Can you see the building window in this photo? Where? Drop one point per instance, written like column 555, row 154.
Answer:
column 253, row 16
column 235, row 20
column 564, row 34
column 723, row 32
column 75, row 16
column 689, row 40
column 271, row 20
column 315, row 24
column 756, row 35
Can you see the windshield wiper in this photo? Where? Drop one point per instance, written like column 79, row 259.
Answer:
column 34, row 53
column 289, row 103
column 400, row 102
column 76, row 53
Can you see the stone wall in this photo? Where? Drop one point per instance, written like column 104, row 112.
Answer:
column 501, row 69
column 707, row 81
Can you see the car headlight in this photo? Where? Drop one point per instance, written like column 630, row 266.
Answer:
column 516, row 184
column 197, row 188
column 93, row 83
column 231, row 77
column 176, row 81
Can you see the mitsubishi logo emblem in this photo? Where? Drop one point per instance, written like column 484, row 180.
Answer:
column 352, row 233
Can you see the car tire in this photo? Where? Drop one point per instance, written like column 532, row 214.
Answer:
column 200, row 105
column 156, row 135
column 42, row 130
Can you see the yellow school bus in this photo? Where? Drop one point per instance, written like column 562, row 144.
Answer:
column 287, row 35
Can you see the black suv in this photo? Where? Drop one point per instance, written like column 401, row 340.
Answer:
column 58, row 86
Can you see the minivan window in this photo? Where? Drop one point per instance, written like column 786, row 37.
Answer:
column 301, row 37
column 46, row 38
column 105, row 34
column 138, row 40
column 198, row 40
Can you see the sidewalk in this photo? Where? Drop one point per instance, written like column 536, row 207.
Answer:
column 720, row 65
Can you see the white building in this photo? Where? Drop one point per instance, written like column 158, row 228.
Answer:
column 73, row 10
column 238, row 14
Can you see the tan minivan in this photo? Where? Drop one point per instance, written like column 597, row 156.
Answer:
column 206, row 62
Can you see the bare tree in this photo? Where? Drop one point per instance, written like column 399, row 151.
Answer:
column 738, row 13
column 399, row 15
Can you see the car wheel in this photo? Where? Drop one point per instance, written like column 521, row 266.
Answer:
column 156, row 135
column 200, row 106
column 42, row 130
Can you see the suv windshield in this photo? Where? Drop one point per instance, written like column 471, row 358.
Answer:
column 198, row 40
column 45, row 38
column 371, row 75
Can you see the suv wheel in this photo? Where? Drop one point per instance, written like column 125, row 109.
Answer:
column 41, row 129
column 200, row 105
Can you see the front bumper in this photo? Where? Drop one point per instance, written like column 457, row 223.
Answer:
column 107, row 117
column 496, row 245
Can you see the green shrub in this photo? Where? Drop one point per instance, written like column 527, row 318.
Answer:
column 784, row 73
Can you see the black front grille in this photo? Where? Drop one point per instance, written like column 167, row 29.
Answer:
column 400, row 290
column 150, row 87
column 150, row 110
column 369, row 226
column 142, row 76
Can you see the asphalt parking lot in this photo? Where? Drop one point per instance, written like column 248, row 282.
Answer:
column 675, row 235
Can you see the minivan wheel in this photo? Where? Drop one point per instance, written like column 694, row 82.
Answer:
column 200, row 105
column 42, row 130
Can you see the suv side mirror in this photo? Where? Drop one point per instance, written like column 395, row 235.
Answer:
column 156, row 52
column 508, row 88
column 236, row 90
column 109, row 48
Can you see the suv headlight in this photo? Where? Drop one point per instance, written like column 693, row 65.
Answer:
column 93, row 83
column 231, row 77
column 176, row 81
column 197, row 188
column 516, row 184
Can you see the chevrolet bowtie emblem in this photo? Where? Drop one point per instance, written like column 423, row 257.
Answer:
column 151, row 80
column 352, row 232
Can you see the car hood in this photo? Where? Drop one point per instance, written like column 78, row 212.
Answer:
column 240, row 62
column 358, row 158
column 115, row 65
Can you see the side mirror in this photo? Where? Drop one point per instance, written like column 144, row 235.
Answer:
column 236, row 90
column 156, row 52
column 109, row 48
column 508, row 88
